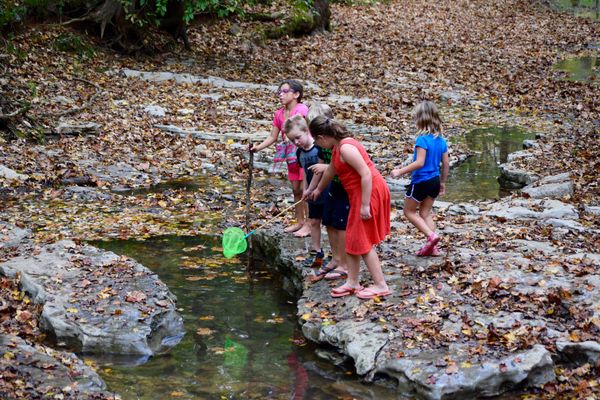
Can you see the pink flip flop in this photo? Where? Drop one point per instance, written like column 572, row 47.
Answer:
column 344, row 290
column 368, row 293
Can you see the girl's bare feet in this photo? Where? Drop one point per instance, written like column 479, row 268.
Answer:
column 303, row 232
column 293, row 228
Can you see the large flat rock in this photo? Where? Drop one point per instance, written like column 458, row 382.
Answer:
column 97, row 302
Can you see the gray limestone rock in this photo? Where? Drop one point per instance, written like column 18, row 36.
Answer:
column 514, row 177
column 12, row 236
column 11, row 175
column 565, row 223
column 124, row 310
column 530, row 144
column 463, row 209
column 155, row 111
column 580, row 353
column 78, row 128
column 42, row 367
column 418, row 374
column 564, row 177
column 86, row 193
column 594, row 210
column 551, row 190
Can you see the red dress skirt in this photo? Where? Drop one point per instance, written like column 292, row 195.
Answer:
column 362, row 235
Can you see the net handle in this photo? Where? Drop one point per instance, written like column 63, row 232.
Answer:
column 272, row 219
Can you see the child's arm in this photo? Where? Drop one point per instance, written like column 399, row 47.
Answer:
column 418, row 163
column 445, row 170
column 327, row 176
column 319, row 168
column 314, row 182
column 352, row 157
column 268, row 141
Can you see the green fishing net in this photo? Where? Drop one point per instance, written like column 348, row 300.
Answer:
column 234, row 242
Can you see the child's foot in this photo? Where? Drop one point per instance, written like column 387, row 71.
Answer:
column 436, row 252
column 370, row 292
column 345, row 290
column 428, row 247
column 303, row 232
column 314, row 259
column 336, row 274
column 293, row 228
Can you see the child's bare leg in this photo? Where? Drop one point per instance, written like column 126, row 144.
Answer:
column 374, row 267
column 425, row 211
column 314, row 225
column 353, row 270
column 337, row 241
column 299, row 209
column 410, row 211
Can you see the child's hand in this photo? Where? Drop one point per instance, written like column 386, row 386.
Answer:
column 318, row 168
column 254, row 149
column 442, row 189
column 365, row 211
column 396, row 172
column 314, row 195
column 306, row 194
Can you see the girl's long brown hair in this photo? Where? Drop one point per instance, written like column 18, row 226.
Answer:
column 325, row 126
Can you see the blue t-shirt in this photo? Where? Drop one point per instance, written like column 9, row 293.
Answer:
column 435, row 146
column 308, row 158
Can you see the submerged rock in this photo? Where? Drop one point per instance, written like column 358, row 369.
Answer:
column 97, row 302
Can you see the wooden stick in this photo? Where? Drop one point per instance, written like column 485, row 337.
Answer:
column 248, row 189
column 273, row 219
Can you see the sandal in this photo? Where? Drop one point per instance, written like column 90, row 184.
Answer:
column 322, row 272
column 344, row 290
column 368, row 293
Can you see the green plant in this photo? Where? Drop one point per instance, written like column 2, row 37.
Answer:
column 12, row 12
column 72, row 43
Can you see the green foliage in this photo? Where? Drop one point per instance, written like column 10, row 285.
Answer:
column 72, row 43
column 12, row 12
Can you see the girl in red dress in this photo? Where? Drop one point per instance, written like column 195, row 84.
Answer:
column 369, row 218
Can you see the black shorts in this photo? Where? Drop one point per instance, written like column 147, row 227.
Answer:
column 420, row 191
column 315, row 210
column 336, row 207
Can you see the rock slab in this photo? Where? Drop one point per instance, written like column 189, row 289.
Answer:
column 97, row 302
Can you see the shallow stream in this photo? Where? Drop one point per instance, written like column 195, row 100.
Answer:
column 242, row 340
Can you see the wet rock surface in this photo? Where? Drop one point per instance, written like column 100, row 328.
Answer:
column 97, row 302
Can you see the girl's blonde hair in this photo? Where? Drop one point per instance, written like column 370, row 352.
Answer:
column 293, row 122
column 317, row 108
column 427, row 118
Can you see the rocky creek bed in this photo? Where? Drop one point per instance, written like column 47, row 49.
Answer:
column 512, row 297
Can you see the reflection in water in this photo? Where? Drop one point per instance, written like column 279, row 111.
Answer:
column 476, row 178
column 241, row 340
column 579, row 8
column 580, row 69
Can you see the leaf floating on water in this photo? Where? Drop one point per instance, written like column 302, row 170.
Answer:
column 204, row 331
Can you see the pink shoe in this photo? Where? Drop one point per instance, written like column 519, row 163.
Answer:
column 436, row 251
column 429, row 246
